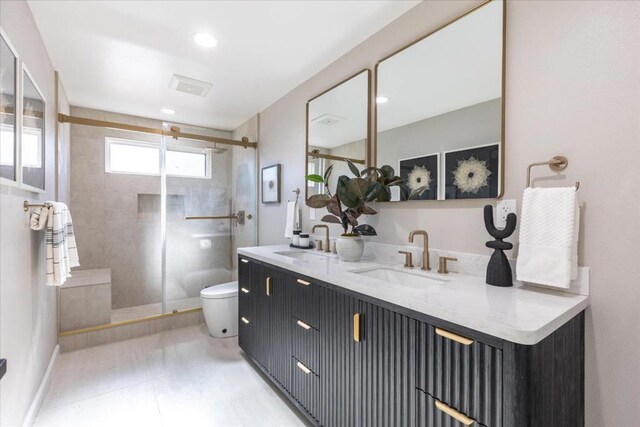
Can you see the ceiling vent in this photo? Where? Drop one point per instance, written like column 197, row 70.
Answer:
column 328, row 119
column 189, row 85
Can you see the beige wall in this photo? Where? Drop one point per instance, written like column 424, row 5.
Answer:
column 572, row 88
column 28, row 331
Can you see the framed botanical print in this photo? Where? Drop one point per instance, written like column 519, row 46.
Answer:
column 271, row 184
column 472, row 172
column 420, row 172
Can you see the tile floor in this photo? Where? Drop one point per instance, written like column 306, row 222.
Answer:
column 182, row 377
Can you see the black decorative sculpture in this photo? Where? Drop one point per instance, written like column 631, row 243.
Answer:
column 499, row 270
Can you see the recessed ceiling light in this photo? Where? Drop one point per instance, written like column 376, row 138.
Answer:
column 205, row 40
column 381, row 99
column 168, row 111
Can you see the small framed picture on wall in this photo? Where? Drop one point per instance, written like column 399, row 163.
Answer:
column 473, row 172
column 271, row 184
column 420, row 173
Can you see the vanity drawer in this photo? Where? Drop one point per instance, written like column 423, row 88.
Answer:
column 306, row 300
column 436, row 413
column 305, row 343
column 462, row 372
column 305, row 387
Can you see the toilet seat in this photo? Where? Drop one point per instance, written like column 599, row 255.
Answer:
column 225, row 290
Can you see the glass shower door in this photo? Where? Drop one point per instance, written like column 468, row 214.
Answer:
column 200, row 219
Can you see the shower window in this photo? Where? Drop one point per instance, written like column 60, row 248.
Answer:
column 142, row 158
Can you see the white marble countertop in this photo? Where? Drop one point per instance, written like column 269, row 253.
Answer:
column 521, row 314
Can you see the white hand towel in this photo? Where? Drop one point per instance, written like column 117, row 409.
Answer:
column 38, row 220
column 62, row 253
column 293, row 219
column 549, row 225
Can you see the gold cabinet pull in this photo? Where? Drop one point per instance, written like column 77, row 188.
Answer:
column 303, row 368
column 356, row 327
column 268, row 287
column 245, row 290
column 454, row 337
column 244, row 260
column 459, row 416
column 303, row 325
column 244, row 320
column 303, row 282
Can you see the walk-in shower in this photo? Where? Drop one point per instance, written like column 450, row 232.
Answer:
column 158, row 214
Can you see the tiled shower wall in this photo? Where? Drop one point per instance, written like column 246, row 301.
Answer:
column 114, row 228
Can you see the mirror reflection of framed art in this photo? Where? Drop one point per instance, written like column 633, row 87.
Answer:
column 271, row 184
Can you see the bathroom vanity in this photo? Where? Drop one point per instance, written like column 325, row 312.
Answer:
column 368, row 344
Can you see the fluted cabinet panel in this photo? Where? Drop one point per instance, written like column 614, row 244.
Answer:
column 467, row 377
column 388, row 368
column 279, row 346
column 339, row 362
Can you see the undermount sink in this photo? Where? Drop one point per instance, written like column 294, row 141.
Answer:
column 301, row 255
column 403, row 278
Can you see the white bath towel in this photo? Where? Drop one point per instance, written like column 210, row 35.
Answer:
column 549, row 225
column 62, row 253
column 293, row 219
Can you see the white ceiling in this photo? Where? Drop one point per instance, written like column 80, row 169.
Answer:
column 458, row 66
column 120, row 55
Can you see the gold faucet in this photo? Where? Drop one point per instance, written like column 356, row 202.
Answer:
column 425, row 250
column 327, row 242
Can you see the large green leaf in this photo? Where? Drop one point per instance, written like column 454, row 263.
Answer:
column 372, row 191
column 345, row 194
column 367, row 210
column 354, row 170
column 352, row 216
column 365, row 230
column 387, row 171
column 314, row 178
column 327, row 173
column 334, row 206
column 418, row 192
column 318, row 201
column 332, row 219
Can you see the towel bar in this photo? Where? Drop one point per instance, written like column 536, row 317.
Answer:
column 556, row 164
column 26, row 205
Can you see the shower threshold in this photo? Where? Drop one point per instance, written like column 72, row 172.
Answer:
column 119, row 315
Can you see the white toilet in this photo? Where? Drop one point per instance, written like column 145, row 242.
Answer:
column 220, row 308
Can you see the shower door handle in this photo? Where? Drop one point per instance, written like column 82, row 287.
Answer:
column 240, row 216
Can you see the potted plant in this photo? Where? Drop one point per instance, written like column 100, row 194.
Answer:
column 349, row 202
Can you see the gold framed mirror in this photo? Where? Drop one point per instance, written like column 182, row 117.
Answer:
column 440, row 109
column 338, row 128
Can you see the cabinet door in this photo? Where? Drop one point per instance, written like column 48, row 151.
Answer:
column 245, row 305
column 339, row 361
column 278, row 301
column 388, row 363
column 461, row 372
column 261, row 280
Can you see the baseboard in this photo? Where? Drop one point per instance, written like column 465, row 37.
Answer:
column 42, row 390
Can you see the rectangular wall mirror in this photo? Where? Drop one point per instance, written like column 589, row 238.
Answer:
column 8, row 109
column 338, row 129
column 440, row 109
column 33, row 134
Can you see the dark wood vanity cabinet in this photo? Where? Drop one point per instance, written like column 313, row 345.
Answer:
column 346, row 360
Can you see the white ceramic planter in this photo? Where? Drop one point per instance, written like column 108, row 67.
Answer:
column 350, row 248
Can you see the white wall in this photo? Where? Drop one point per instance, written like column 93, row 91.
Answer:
column 572, row 88
column 28, row 327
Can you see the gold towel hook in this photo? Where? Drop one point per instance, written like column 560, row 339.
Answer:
column 556, row 164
